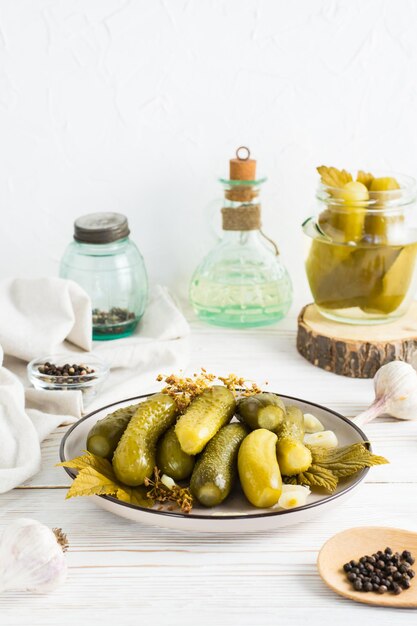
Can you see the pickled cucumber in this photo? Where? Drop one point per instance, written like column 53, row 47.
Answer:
column 204, row 417
column 170, row 459
column 394, row 285
column 262, row 410
column 348, row 215
column 104, row 436
column 216, row 470
column 293, row 456
column 134, row 458
column 258, row 468
column 356, row 279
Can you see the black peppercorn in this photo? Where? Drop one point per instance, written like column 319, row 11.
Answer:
column 381, row 572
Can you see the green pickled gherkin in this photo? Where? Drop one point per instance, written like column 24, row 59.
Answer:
column 104, row 436
column 262, row 410
column 326, row 266
column 171, row 459
column 353, row 280
column 395, row 283
column 216, row 469
column 211, row 410
column 135, row 456
column 293, row 456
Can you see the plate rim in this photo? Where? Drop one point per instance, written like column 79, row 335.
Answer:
column 226, row 518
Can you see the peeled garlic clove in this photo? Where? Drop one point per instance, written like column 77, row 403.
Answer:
column 325, row 439
column 32, row 557
column 312, row 424
column 292, row 498
column 167, row 481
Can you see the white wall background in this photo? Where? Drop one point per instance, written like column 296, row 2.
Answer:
column 136, row 106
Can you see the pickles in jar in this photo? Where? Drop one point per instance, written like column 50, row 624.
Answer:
column 135, row 456
column 216, row 469
column 261, row 410
column 211, row 410
column 362, row 254
column 171, row 459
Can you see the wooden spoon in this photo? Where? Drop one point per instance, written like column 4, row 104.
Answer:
column 356, row 542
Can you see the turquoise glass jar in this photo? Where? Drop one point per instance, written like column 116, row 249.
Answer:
column 104, row 261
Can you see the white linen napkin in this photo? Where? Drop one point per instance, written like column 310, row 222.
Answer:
column 44, row 316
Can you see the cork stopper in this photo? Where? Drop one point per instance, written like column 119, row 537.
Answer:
column 242, row 167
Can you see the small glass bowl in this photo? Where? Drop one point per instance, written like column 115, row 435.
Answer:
column 88, row 384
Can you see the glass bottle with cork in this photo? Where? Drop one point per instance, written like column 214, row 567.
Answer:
column 241, row 283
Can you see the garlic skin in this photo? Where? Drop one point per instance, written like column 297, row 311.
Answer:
column 31, row 558
column 395, row 387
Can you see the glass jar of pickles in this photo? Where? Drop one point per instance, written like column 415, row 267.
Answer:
column 362, row 260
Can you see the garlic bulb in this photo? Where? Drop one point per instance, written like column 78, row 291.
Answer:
column 32, row 557
column 395, row 387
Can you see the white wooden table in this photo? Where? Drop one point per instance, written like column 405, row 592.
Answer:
column 125, row 573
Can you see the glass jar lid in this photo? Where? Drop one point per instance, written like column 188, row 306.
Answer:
column 101, row 227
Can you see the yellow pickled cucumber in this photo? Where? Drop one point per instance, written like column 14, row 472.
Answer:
column 211, row 410
column 293, row 456
column 384, row 183
column 134, row 458
column 348, row 218
column 381, row 225
column 258, row 468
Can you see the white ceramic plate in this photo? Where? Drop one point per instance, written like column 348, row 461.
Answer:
column 236, row 514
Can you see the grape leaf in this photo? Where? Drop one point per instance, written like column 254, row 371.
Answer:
column 96, row 477
column 90, row 460
column 89, row 482
column 135, row 495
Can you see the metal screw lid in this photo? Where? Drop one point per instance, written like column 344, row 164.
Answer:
column 101, row 228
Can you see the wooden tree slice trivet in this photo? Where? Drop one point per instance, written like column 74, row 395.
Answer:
column 356, row 351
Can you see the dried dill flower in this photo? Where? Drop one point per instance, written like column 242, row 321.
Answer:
column 240, row 385
column 159, row 492
column 184, row 389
